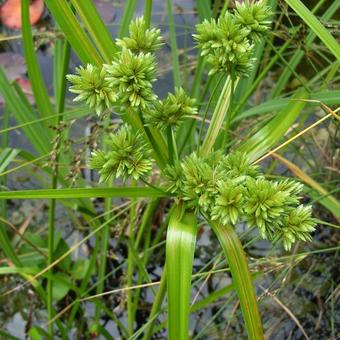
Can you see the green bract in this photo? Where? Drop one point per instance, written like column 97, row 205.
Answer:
column 92, row 87
column 128, row 156
column 141, row 39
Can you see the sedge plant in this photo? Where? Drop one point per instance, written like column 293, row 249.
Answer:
column 181, row 153
column 208, row 181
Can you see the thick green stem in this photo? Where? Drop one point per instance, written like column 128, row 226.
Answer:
column 130, row 268
column 180, row 247
column 171, row 150
column 147, row 12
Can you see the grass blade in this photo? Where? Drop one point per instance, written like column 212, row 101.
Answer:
column 96, row 27
column 6, row 157
column 84, row 192
column 326, row 97
column 74, row 33
column 298, row 55
column 242, row 280
column 180, row 247
column 271, row 133
column 38, row 86
column 37, row 135
column 328, row 201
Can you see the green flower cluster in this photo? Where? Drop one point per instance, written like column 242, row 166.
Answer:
column 127, row 81
column 90, row 85
column 141, row 38
column 229, row 189
column 171, row 111
column 131, row 76
column 228, row 42
column 128, row 156
column 255, row 17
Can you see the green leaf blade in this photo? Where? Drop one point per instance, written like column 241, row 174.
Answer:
column 180, row 247
column 38, row 86
column 84, row 193
column 242, row 280
column 270, row 134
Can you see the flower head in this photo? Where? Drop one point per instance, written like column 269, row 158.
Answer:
column 229, row 189
column 141, row 38
column 91, row 86
column 129, row 156
column 297, row 226
column 255, row 17
column 229, row 202
column 199, row 187
column 208, row 36
column 237, row 165
column 171, row 111
column 226, row 44
column 265, row 206
column 131, row 76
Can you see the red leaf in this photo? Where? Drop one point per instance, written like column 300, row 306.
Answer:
column 10, row 13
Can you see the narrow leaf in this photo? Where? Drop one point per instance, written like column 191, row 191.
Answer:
column 38, row 85
column 271, row 133
column 74, row 33
column 96, row 27
column 328, row 200
column 180, row 247
column 242, row 280
column 7, row 155
column 84, row 192
column 37, row 135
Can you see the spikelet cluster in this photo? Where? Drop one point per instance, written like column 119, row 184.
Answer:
column 91, row 86
column 255, row 17
column 131, row 76
column 171, row 111
column 127, row 81
column 128, row 155
column 228, row 189
column 141, row 39
column 229, row 41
